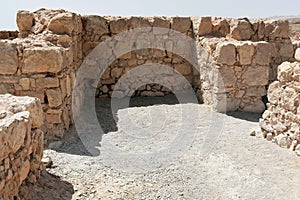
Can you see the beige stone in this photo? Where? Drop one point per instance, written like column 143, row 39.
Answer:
column 25, row 20
column 286, row 50
column 263, row 53
column 285, row 72
column 8, row 58
column 205, row 26
column 225, row 53
column 93, row 24
column 25, row 83
column 228, row 77
column 245, row 53
column 41, row 60
column 241, row 29
column 181, row 24
column 54, row 116
column 221, row 27
column 54, row 97
column 63, row 23
column 118, row 26
column 256, row 76
column 47, row 82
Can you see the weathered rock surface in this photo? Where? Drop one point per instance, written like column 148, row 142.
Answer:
column 21, row 143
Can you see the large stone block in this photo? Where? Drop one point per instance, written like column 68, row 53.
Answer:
column 221, row 27
column 65, row 23
column 181, row 24
column 225, row 53
column 118, row 25
column 245, row 53
column 95, row 25
column 54, row 97
column 241, row 29
column 263, row 53
column 205, row 26
column 256, row 76
column 25, row 20
column 8, row 58
column 42, row 59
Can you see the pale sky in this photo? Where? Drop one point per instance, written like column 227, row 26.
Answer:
column 221, row 8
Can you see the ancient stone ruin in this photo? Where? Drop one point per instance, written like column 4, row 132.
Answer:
column 42, row 58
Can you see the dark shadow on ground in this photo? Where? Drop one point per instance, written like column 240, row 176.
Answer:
column 253, row 117
column 48, row 187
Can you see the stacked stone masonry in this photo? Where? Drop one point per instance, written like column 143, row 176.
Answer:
column 21, row 143
column 280, row 122
column 52, row 45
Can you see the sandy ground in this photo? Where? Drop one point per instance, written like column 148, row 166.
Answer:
column 170, row 151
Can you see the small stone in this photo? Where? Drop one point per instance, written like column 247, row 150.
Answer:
column 47, row 161
column 2, row 114
column 253, row 133
column 269, row 136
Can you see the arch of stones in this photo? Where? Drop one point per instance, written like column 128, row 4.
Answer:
column 41, row 59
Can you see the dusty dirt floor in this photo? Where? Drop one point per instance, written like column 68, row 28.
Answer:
column 206, row 155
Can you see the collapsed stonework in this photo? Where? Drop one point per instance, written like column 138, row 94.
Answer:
column 52, row 44
column 21, row 143
column 280, row 122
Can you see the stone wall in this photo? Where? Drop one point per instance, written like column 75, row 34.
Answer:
column 52, row 45
column 280, row 122
column 8, row 35
column 41, row 63
column 21, row 143
column 246, row 55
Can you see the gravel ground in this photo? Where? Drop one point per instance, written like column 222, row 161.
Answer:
column 173, row 152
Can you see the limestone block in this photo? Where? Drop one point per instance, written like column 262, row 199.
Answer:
column 241, row 29
column 297, row 54
column 285, row 72
column 64, row 23
column 47, row 82
column 25, row 83
column 256, row 76
column 54, row 97
column 245, row 53
column 118, row 26
column 228, row 76
column 138, row 22
column 281, row 29
column 25, row 20
column 221, row 27
column 42, row 59
column 286, row 50
column 225, row 53
column 54, row 116
column 95, row 25
column 205, row 26
column 8, row 58
column 263, row 53
column 181, row 24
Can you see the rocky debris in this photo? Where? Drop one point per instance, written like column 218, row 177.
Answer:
column 21, row 143
column 281, row 119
